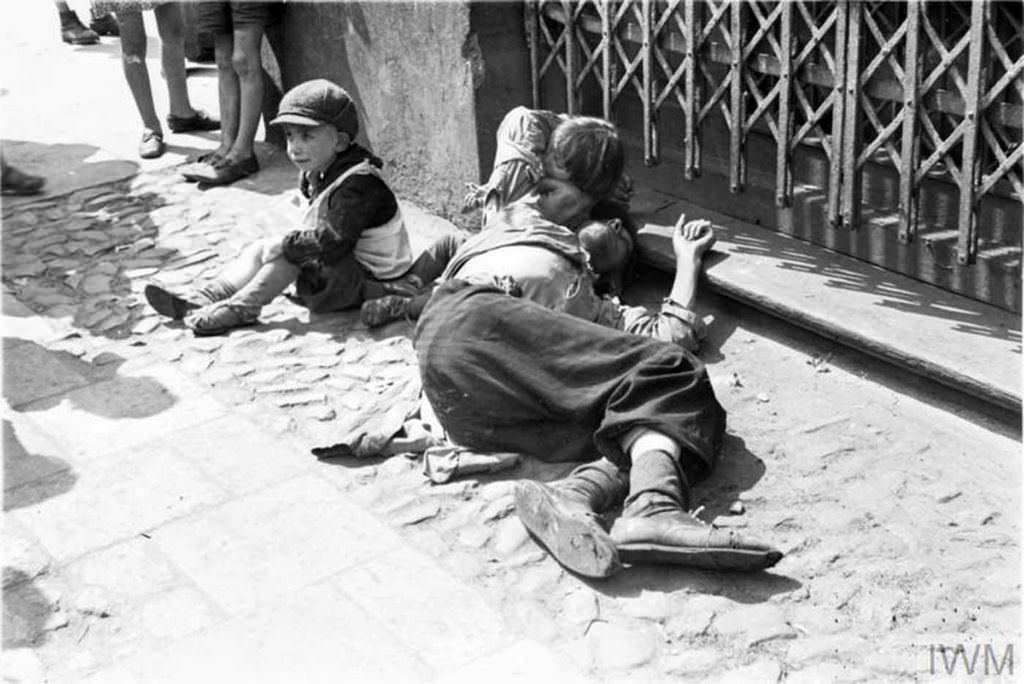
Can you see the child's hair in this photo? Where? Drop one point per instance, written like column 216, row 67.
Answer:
column 590, row 150
column 609, row 248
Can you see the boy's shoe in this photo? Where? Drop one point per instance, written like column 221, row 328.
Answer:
column 73, row 32
column 224, row 172
column 200, row 121
column 220, row 317
column 152, row 145
column 169, row 304
column 383, row 310
column 104, row 25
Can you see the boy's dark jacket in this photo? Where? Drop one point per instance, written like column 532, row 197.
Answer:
column 362, row 201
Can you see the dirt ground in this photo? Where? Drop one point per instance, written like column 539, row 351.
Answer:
column 896, row 501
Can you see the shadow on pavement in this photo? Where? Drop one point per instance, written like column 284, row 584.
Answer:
column 37, row 379
column 21, row 467
column 78, row 168
column 26, row 612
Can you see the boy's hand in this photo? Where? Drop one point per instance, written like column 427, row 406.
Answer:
column 692, row 239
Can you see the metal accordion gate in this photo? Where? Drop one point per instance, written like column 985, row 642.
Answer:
column 891, row 131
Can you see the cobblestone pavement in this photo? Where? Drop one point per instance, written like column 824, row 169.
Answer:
column 898, row 507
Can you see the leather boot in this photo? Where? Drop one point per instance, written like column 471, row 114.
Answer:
column 656, row 527
column 564, row 517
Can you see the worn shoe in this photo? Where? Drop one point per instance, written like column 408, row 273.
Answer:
column 19, row 183
column 200, row 121
column 220, row 317
column 679, row 538
column 73, row 32
column 383, row 310
column 202, row 165
column 152, row 145
column 568, row 529
column 169, row 304
column 224, row 172
column 104, row 25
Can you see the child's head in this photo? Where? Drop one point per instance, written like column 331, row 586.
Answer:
column 320, row 120
column 609, row 248
column 584, row 160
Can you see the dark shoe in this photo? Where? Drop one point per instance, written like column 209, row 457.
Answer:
column 104, row 25
column 19, row 183
column 384, row 310
column 203, row 165
column 169, row 304
column 567, row 528
column 200, row 121
column 220, row 317
column 224, row 172
column 152, row 145
column 73, row 32
column 678, row 538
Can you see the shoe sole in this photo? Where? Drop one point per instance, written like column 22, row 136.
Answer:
column 214, row 332
column 704, row 558
column 167, row 304
column 578, row 544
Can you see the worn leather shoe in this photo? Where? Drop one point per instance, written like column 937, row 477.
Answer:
column 73, row 32
column 200, row 121
column 169, row 304
column 220, row 317
column 568, row 529
column 678, row 538
column 225, row 172
column 152, row 145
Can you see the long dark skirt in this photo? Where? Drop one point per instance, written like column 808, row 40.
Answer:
column 506, row 374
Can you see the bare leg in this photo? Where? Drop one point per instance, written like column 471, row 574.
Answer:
column 249, row 72
column 227, row 92
column 133, row 61
column 172, row 58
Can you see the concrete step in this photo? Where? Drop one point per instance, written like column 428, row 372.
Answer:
column 963, row 343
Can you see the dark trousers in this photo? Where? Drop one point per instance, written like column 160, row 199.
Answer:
column 507, row 374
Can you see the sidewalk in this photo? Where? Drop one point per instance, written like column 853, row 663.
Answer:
column 165, row 520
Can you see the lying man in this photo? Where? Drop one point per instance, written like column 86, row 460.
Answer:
column 558, row 372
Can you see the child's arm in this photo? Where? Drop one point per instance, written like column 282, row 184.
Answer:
column 361, row 202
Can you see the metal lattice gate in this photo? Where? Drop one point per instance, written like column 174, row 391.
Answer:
column 927, row 95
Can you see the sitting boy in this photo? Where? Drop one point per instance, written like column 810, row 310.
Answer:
column 352, row 245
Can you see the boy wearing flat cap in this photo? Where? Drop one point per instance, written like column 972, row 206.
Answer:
column 352, row 244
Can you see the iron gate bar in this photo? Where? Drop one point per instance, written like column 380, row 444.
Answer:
column 850, row 182
column 736, row 166
column 941, row 100
column 570, row 58
column 909, row 155
column 531, row 19
column 606, row 60
column 691, row 168
column 967, row 243
column 783, row 178
column 835, row 176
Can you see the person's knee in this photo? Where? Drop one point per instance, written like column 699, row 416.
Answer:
column 133, row 48
column 246, row 63
column 224, row 57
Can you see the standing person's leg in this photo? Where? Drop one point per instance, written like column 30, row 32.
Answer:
column 239, row 161
column 183, row 117
column 133, row 62
column 214, row 18
column 72, row 30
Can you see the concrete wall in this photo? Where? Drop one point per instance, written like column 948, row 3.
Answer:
column 411, row 67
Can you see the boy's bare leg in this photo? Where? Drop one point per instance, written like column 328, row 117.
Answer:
column 227, row 92
column 249, row 72
column 133, row 62
column 172, row 58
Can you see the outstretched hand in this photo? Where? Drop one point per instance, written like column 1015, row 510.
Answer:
column 692, row 239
